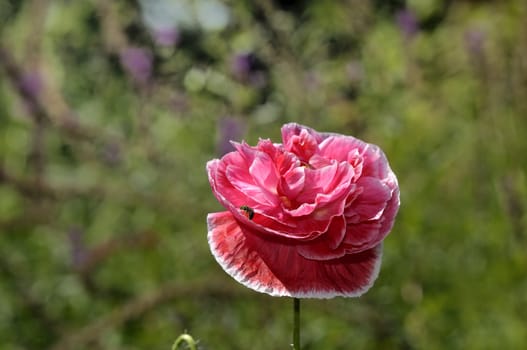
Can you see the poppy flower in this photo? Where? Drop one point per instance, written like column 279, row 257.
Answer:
column 305, row 218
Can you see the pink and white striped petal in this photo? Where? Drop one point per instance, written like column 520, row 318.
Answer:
column 275, row 267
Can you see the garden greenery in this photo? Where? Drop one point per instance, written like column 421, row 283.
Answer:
column 109, row 111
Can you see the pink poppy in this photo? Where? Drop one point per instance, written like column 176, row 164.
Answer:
column 305, row 218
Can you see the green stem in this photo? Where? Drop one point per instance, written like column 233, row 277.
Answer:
column 296, row 324
column 187, row 339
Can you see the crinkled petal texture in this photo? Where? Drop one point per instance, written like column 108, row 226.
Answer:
column 305, row 218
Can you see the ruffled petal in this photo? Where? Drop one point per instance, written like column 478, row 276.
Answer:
column 339, row 146
column 264, row 173
column 242, row 181
column 304, row 145
column 221, row 188
column 291, row 130
column 230, row 249
column 293, row 182
column 317, row 161
column 369, row 160
column 327, row 246
column 248, row 153
column 326, row 183
column 392, row 207
column 370, row 204
column 275, row 267
column 364, row 235
column 323, row 179
column 302, row 210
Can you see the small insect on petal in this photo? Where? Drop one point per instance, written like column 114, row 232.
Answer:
column 247, row 211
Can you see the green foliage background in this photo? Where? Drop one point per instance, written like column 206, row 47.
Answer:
column 103, row 190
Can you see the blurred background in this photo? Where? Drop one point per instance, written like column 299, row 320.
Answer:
column 109, row 111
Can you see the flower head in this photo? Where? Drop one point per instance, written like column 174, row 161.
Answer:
column 475, row 41
column 248, row 69
column 305, row 218
column 166, row 36
column 138, row 63
column 407, row 22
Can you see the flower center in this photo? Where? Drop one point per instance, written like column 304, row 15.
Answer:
column 286, row 202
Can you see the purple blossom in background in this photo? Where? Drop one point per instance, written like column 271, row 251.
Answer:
column 246, row 68
column 229, row 129
column 138, row 63
column 78, row 248
column 167, row 37
column 31, row 83
column 474, row 41
column 407, row 23
column 241, row 65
